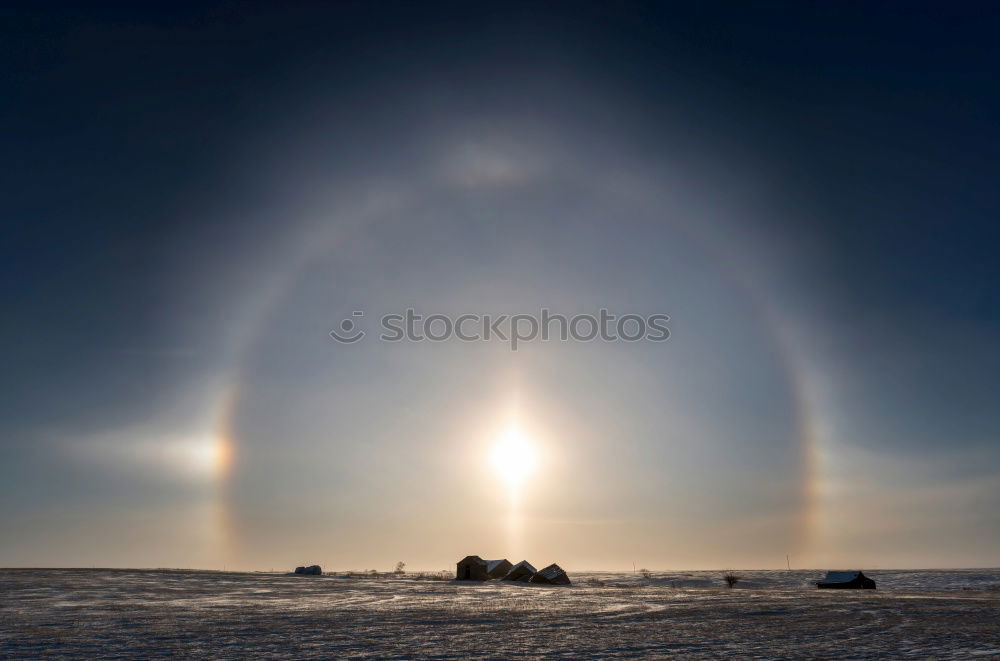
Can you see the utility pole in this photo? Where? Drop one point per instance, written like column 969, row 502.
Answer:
column 788, row 563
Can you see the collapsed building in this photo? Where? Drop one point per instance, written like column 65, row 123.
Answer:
column 522, row 571
column 551, row 575
column 474, row 568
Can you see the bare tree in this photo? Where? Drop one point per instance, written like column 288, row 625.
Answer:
column 400, row 568
column 731, row 579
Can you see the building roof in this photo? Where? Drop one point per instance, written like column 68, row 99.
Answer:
column 493, row 564
column 525, row 565
column 551, row 571
column 840, row 576
column 472, row 558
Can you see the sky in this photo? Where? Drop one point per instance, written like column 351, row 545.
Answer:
column 194, row 196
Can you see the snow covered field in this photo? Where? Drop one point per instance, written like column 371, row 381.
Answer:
column 124, row 613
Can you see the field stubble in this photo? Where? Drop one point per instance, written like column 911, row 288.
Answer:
column 123, row 613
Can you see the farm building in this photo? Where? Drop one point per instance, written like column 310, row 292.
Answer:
column 522, row 571
column 311, row 570
column 551, row 575
column 846, row 580
column 498, row 568
column 472, row 568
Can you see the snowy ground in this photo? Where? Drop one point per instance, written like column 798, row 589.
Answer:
column 118, row 613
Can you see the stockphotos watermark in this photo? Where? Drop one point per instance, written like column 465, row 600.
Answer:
column 514, row 329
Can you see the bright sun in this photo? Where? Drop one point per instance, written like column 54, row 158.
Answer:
column 514, row 457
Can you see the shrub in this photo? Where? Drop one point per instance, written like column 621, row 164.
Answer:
column 731, row 579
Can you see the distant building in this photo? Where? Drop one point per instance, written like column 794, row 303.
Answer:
column 846, row 580
column 472, row 568
column 498, row 568
column 522, row 571
column 551, row 575
column 311, row 570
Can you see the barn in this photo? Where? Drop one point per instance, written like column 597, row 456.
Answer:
column 472, row 568
column 551, row 575
column 522, row 571
column 846, row 580
column 498, row 568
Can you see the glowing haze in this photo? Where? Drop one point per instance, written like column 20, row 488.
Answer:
column 200, row 196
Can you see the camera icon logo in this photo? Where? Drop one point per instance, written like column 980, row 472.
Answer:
column 348, row 334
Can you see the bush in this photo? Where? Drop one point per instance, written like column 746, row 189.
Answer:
column 646, row 573
column 400, row 568
column 731, row 579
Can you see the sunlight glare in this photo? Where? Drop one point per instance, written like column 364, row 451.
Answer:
column 514, row 457
column 207, row 456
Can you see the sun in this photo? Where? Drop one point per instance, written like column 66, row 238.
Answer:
column 514, row 457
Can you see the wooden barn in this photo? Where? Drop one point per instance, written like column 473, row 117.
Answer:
column 498, row 568
column 551, row 575
column 472, row 568
column 846, row 580
column 522, row 571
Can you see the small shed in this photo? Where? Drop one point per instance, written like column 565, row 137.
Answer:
column 311, row 570
column 551, row 575
column 846, row 580
column 498, row 568
column 522, row 571
column 472, row 568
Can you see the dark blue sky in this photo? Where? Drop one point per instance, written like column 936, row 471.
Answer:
column 181, row 209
